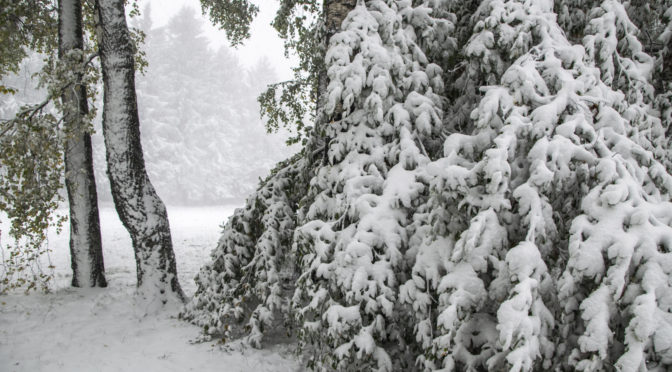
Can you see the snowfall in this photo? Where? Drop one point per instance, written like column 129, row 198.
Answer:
column 72, row 329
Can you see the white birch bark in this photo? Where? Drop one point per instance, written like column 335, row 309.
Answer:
column 85, row 241
column 139, row 207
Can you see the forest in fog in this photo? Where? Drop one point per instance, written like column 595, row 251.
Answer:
column 204, row 140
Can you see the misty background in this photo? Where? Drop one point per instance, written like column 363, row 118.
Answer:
column 203, row 139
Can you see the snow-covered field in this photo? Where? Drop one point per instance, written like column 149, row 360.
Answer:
column 105, row 330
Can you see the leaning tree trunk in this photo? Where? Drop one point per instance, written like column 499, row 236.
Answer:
column 141, row 210
column 85, row 243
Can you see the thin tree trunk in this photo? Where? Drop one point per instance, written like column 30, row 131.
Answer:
column 85, row 243
column 141, row 210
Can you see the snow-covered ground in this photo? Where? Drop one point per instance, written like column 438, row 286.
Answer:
column 104, row 330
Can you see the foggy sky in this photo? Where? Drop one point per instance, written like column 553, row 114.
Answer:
column 263, row 42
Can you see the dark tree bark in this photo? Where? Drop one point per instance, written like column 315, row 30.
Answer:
column 85, row 242
column 141, row 210
column 334, row 13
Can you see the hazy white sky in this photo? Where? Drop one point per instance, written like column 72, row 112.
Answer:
column 264, row 40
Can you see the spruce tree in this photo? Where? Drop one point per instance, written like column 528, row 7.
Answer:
column 548, row 153
column 245, row 289
column 382, row 98
column 501, row 204
column 402, row 108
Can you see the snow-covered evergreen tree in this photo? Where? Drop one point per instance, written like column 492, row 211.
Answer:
column 376, row 145
column 244, row 289
column 573, row 16
column 548, row 140
column 537, row 236
column 383, row 100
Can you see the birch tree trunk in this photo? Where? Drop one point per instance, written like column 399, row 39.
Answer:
column 141, row 210
column 85, row 242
